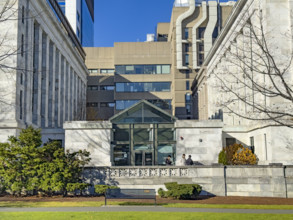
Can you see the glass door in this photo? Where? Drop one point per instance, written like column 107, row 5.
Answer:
column 138, row 158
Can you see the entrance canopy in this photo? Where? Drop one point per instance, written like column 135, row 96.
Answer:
column 142, row 112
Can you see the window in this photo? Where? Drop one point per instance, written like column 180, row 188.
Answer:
column 163, row 104
column 78, row 32
column 93, row 70
column 107, row 88
column 21, row 79
column 107, row 104
column 77, row 16
column 143, row 69
column 187, row 85
column 188, row 98
column 20, row 105
column 188, row 109
column 92, row 104
column 186, row 33
column 143, row 87
column 186, row 46
column 107, row 70
column 201, row 31
column 22, row 45
column 22, row 14
column 186, row 59
column 92, row 88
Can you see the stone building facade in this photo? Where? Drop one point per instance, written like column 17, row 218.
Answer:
column 43, row 80
column 222, row 84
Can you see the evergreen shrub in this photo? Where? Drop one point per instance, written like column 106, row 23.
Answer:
column 180, row 191
column 101, row 189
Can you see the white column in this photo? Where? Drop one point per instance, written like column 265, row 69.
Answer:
column 64, row 91
column 59, row 91
column 47, row 82
column 39, row 72
column 53, row 86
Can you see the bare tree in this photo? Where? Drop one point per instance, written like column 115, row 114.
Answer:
column 254, row 77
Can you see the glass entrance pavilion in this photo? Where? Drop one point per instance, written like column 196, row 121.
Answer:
column 143, row 135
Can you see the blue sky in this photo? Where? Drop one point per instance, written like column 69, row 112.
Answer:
column 128, row 20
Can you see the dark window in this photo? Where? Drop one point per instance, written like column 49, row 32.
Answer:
column 187, row 85
column 22, row 45
column 188, row 109
column 186, row 33
column 230, row 141
column 92, row 87
column 107, row 88
column 201, row 31
column 92, row 104
column 22, row 14
column 143, row 69
column 20, row 105
column 186, row 59
column 186, row 46
column 107, row 104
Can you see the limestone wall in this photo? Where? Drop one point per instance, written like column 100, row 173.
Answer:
column 263, row 181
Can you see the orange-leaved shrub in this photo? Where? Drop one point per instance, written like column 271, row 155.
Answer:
column 244, row 156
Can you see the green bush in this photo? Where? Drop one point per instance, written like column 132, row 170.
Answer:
column 223, row 158
column 180, row 191
column 73, row 187
column 101, row 189
column 162, row 193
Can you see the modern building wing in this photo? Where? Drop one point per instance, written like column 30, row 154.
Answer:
column 161, row 71
column 80, row 14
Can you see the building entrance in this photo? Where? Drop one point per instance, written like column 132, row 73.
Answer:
column 143, row 135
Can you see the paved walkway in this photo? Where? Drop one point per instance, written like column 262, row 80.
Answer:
column 143, row 209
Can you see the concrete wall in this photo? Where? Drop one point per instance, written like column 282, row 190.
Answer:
column 259, row 181
column 94, row 137
column 202, row 140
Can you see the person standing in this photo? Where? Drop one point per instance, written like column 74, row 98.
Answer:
column 189, row 161
column 182, row 161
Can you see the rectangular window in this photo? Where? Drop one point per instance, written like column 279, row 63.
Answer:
column 186, row 59
column 107, row 70
column 201, row 31
column 22, row 45
column 143, row 69
column 22, row 14
column 187, row 85
column 186, row 46
column 20, row 105
column 92, row 104
column 107, row 88
column 78, row 16
column 92, row 88
column 107, row 104
column 78, row 32
column 188, row 109
column 21, row 79
column 186, row 33
column 93, row 70
column 143, row 87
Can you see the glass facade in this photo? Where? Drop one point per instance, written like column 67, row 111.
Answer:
column 143, row 136
column 143, row 87
column 142, row 69
column 163, row 104
column 87, row 26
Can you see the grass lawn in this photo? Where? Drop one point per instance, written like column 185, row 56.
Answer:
column 173, row 205
column 138, row 215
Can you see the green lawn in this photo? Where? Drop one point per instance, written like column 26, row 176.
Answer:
column 138, row 215
column 176, row 205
